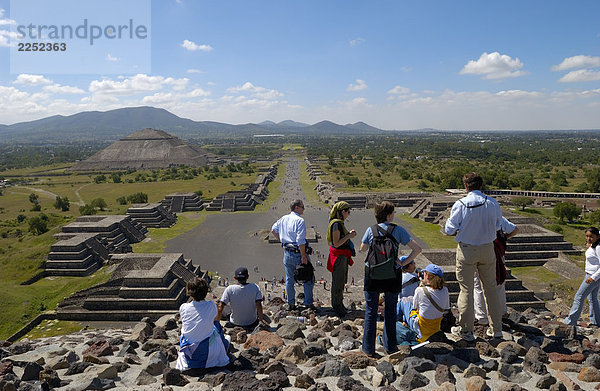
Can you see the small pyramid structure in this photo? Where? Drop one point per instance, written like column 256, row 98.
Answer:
column 145, row 149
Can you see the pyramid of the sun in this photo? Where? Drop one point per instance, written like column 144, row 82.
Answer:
column 145, row 149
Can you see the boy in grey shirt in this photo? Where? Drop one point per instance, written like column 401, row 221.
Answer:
column 245, row 300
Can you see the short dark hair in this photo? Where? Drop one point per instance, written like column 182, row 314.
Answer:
column 295, row 204
column 197, row 289
column 382, row 210
column 473, row 181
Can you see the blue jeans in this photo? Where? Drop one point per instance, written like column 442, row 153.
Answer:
column 591, row 292
column 389, row 325
column 290, row 261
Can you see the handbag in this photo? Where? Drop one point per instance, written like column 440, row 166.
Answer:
column 448, row 318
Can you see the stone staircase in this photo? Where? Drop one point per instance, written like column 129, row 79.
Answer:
column 141, row 285
column 228, row 205
column 518, row 297
column 152, row 215
column 355, row 202
column 177, row 204
column 79, row 255
column 534, row 246
column 432, row 210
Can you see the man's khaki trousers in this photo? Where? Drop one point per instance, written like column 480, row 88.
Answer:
column 482, row 259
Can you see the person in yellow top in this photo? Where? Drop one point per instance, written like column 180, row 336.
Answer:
column 419, row 312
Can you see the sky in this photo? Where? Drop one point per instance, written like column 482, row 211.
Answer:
column 449, row 65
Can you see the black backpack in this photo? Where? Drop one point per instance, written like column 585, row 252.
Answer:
column 304, row 273
column 382, row 254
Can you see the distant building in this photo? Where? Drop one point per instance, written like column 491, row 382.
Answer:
column 145, row 149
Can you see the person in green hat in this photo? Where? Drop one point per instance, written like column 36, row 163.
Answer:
column 341, row 250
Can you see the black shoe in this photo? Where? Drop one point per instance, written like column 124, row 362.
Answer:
column 290, row 307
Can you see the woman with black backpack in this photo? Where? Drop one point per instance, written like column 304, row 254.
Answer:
column 383, row 274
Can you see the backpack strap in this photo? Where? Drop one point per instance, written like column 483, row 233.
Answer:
column 474, row 206
column 410, row 282
column 436, row 305
column 387, row 233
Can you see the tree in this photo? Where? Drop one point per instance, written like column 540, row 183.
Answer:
column 100, row 178
column 98, row 203
column 566, row 210
column 138, row 198
column 62, row 203
column 122, row 200
column 522, row 202
column 594, row 217
column 21, row 218
column 34, row 198
column 87, row 210
column 116, row 177
column 37, row 225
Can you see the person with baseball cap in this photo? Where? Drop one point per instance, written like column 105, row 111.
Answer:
column 423, row 312
column 245, row 300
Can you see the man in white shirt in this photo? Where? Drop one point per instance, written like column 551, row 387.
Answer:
column 245, row 300
column 290, row 230
column 474, row 220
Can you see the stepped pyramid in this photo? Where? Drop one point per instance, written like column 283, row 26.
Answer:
column 145, row 149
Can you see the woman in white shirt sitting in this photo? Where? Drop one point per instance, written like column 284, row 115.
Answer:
column 418, row 312
column 591, row 282
column 202, row 343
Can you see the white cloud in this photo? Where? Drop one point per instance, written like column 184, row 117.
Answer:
column 194, row 71
column 261, row 93
column 494, row 66
column 398, row 90
column 137, row 84
column 32, row 80
column 196, row 92
column 211, row 83
column 359, row 86
column 4, row 21
column 58, row 89
column 192, row 46
column 580, row 61
column 580, row 75
column 357, row 41
column 111, row 58
column 246, row 87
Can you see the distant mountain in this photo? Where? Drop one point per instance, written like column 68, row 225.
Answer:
column 115, row 124
column 292, row 124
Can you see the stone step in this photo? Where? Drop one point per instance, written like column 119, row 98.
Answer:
column 111, row 315
column 526, row 262
column 66, row 255
column 530, row 246
column 118, row 303
column 151, row 292
column 511, row 284
column 74, row 272
column 511, row 296
column 523, row 305
column 539, row 254
column 532, row 238
column 70, row 263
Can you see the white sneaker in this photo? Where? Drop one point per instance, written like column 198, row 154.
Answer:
column 467, row 335
column 491, row 334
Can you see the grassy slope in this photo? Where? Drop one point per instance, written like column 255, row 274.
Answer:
column 429, row 233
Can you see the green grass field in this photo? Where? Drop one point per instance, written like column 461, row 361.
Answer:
column 429, row 233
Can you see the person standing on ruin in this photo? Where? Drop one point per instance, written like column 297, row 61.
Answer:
column 481, row 315
column 290, row 230
column 341, row 251
column 475, row 219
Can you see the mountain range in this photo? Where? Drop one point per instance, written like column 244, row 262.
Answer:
column 116, row 124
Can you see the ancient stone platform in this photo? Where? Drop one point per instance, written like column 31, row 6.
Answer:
column 141, row 285
column 247, row 199
column 153, row 215
column 119, row 231
column 78, row 254
column 183, row 202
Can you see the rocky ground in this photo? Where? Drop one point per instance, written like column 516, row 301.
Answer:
column 322, row 353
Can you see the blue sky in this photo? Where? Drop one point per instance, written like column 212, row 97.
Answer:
column 394, row 64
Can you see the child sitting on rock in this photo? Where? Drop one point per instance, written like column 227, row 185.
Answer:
column 420, row 316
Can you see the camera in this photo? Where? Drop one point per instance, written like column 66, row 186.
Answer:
column 420, row 272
